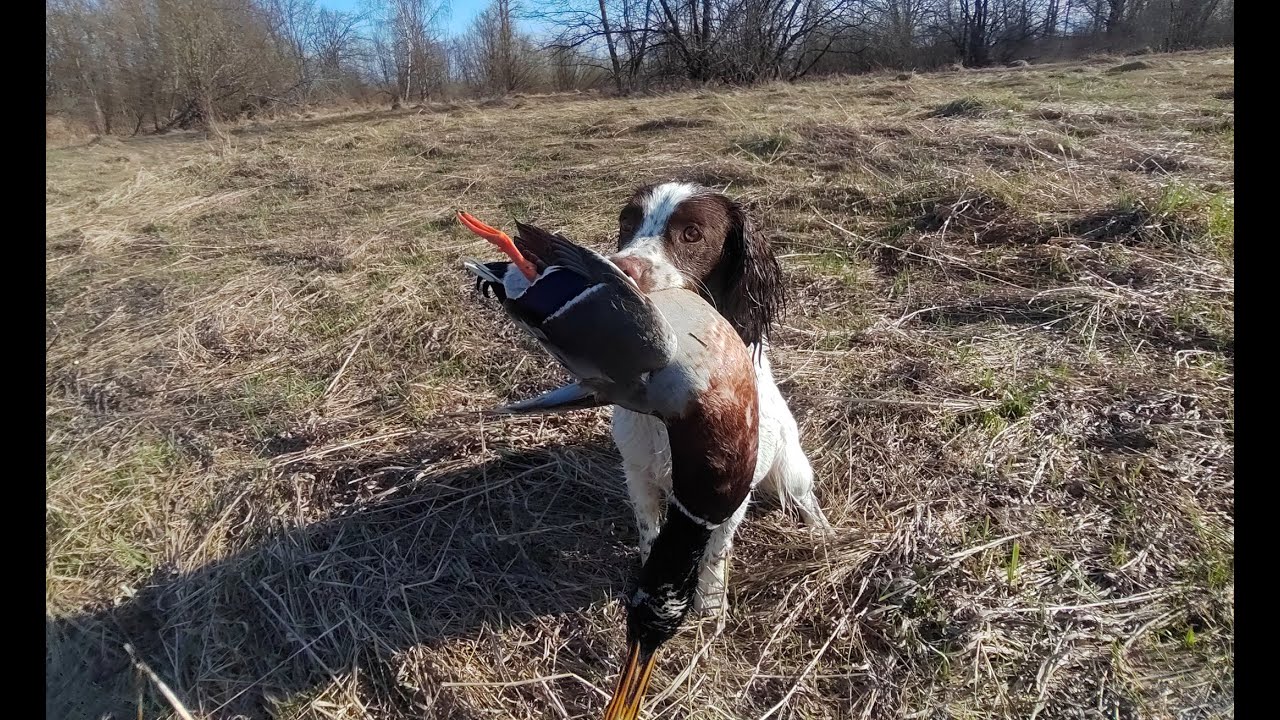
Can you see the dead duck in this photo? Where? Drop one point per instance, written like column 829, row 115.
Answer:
column 668, row 354
column 554, row 289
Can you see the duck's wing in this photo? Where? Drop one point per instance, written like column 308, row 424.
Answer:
column 605, row 322
column 531, row 305
column 582, row 309
column 556, row 249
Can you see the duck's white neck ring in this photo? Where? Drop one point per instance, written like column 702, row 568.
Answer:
column 675, row 502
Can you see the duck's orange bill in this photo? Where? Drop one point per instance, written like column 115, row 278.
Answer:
column 625, row 704
column 502, row 241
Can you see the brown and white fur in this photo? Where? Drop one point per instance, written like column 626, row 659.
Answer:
column 685, row 235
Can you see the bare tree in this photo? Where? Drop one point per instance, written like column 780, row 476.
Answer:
column 223, row 54
column 897, row 26
column 409, row 50
column 494, row 57
column 293, row 23
column 73, row 50
column 706, row 40
column 334, row 47
column 124, row 64
column 571, row 70
column 1188, row 21
column 586, row 27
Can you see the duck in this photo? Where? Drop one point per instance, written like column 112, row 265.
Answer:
column 668, row 354
column 581, row 308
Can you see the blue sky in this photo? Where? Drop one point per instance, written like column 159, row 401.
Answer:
column 463, row 12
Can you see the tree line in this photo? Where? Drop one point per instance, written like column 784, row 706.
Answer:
column 131, row 66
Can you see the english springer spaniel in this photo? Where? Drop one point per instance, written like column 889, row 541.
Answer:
column 685, row 235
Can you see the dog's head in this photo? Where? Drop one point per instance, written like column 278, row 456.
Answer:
column 684, row 235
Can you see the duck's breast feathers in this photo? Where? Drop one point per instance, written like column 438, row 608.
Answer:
column 710, row 405
column 714, row 447
column 708, row 350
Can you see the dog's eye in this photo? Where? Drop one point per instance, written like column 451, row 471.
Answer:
column 691, row 233
column 626, row 225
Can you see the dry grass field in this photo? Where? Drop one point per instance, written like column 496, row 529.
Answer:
column 1009, row 345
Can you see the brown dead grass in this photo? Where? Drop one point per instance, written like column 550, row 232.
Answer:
column 1012, row 358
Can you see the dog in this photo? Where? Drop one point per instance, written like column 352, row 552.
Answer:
column 686, row 235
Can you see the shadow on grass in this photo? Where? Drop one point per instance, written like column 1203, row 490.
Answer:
column 436, row 554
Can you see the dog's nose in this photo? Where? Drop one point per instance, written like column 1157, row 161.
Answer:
column 635, row 268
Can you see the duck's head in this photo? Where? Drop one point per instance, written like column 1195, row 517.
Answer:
column 658, row 606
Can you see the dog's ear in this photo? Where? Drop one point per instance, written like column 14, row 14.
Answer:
column 752, row 291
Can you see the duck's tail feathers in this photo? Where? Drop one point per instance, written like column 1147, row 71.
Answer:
column 483, row 270
column 489, row 276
